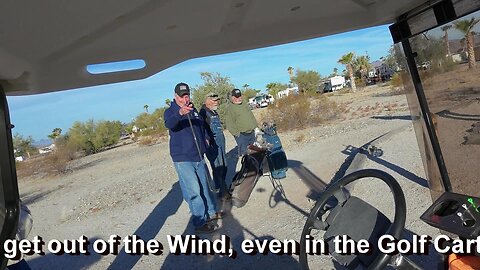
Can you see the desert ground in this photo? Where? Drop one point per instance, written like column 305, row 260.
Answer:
column 133, row 189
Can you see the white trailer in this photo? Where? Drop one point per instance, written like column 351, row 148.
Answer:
column 334, row 83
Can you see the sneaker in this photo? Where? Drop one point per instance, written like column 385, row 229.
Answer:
column 206, row 228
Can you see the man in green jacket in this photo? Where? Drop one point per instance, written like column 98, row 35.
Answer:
column 240, row 122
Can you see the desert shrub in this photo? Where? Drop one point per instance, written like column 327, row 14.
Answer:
column 290, row 112
column 360, row 83
column 145, row 141
column 396, row 80
column 324, row 110
column 24, row 168
column 300, row 138
column 92, row 137
column 447, row 64
column 152, row 137
column 107, row 133
column 396, row 87
column 23, row 146
column 80, row 136
column 53, row 163
column 150, row 124
column 302, row 111
column 153, row 132
column 57, row 161
column 307, row 81
column 344, row 90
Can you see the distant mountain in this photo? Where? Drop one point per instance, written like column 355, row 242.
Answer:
column 42, row 143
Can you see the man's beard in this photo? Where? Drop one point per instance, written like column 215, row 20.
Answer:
column 214, row 108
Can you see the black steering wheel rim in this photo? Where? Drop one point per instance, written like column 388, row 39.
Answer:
column 395, row 228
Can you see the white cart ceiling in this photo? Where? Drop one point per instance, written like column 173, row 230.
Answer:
column 46, row 45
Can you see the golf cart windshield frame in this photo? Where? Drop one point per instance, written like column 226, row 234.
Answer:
column 408, row 27
column 9, row 198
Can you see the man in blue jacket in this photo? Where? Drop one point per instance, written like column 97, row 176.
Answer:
column 188, row 143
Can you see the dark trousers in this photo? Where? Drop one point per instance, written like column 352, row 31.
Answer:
column 218, row 162
column 243, row 140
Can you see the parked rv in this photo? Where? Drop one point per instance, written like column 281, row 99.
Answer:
column 333, row 84
column 380, row 72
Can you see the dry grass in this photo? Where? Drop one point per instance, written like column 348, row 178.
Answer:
column 451, row 88
column 300, row 138
column 396, row 81
column 50, row 164
column 345, row 90
column 145, row 140
column 152, row 139
column 302, row 111
column 56, row 162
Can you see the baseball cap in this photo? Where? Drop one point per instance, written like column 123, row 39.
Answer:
column 182, row 89
column 213, row 96
column 236, row 93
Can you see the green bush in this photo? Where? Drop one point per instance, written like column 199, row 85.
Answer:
column 307, row 81
column 92, row 137
column 151, row 124
column 23, row 146
column 107, row 133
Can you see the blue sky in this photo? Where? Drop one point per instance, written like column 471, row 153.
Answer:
column 38, row 115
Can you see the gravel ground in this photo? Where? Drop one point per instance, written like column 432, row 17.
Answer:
column 133, row 189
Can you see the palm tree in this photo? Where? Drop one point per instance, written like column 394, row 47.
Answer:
column 445, row 38
column 347, row 61
column 167, row 102
column 55, row 133
column 245, row 86
column 466, row 26
column 146, row 107
column 335, row 71
column 362, row 65
column 290, row 73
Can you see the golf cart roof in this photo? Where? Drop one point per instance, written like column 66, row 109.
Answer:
column 46, row 45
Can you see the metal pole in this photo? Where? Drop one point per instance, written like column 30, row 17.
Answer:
column 211, row 185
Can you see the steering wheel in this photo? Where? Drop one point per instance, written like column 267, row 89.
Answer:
column 314, row 220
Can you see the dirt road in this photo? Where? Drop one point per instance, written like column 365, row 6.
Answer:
column 133, row 189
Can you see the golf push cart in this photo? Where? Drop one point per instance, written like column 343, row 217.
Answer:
column 46, row 47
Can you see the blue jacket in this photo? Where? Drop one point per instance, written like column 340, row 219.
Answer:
column 182, row 143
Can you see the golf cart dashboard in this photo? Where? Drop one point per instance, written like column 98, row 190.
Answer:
column 455, row 213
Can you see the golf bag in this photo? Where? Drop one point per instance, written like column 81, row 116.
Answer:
column 266, row 156
column 245, row 180
column 276, row 157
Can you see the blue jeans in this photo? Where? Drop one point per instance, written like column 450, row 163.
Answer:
column 218, row 162
column 195, row 190
column 243, row 140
